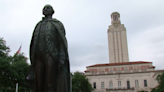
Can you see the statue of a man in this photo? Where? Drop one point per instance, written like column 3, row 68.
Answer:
column 48, row 54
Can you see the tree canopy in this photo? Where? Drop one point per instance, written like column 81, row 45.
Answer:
column 13, row 69
column 160, row 87
column 80, row 83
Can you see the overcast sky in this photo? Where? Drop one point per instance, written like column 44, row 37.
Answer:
column 86, row 23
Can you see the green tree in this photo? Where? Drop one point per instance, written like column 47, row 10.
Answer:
column 160, row 79
column 6, row 75
column 12, row 69
column 80, row 83
column 21, row 67
column 4, row 50
column 6, row 70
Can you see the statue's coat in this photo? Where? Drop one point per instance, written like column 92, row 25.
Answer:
column 64, row 71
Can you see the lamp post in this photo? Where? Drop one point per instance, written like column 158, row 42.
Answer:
column 16, row 90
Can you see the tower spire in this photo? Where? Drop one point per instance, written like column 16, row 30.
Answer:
column 117, row 40
column 115, row 17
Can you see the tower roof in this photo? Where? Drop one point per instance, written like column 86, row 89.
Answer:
column 115, row 13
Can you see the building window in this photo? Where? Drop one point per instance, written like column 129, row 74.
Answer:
column 94, row 85
column 145, row 83
column 126, row 68
column 128, row 84
column 115, row 17
column 111, row 84
column 102, row 85
column 111, row 70
column 136, row 83
column 145, row 68
column 118, row 69
column 139, row 67
column 119, row 84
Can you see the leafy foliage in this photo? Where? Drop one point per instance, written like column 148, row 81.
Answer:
column 4, row 50
column 160, row 79
column 12, row 69
column 80, row 83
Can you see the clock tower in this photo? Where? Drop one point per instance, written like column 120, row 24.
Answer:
column 117, row 40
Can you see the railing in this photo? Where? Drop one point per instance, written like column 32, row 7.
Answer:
column 109, row 89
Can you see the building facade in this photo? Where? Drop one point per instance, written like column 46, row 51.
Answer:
column 123, row 77
column 120, row 75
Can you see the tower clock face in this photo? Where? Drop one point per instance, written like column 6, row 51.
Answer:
column 116, row 25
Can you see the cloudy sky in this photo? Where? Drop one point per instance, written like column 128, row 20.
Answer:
column 86, row 23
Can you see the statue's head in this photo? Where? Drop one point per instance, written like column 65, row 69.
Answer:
column 48, row 10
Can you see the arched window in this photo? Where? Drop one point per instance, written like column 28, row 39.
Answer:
column 115, row 17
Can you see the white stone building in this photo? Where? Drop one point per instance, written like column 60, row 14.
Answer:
column 120, row 75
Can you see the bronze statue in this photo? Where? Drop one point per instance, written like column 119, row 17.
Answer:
column 50, row 71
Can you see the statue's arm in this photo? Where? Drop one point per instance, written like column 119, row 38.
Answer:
column 62, row 47
column 62, row 54
column 32, row 43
